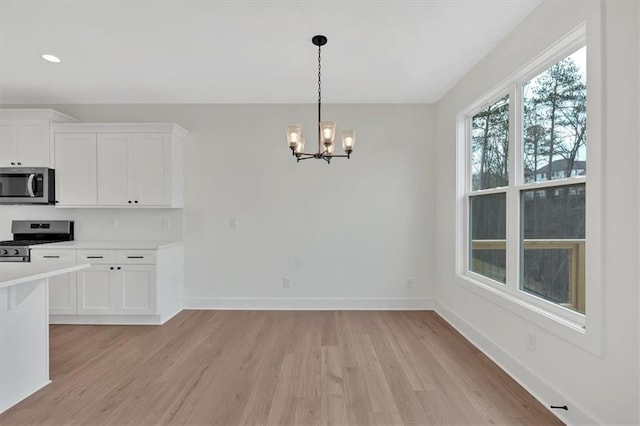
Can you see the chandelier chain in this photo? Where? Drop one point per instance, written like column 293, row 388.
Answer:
column 319, row 96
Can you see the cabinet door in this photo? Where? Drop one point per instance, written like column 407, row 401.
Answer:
column 138, row 290
column 62, row 288
column 150, row 169
column 33, row 143
column 76, row 169
column 8, row 142
column 97, row 290
column 113, row 170
column 62, row 294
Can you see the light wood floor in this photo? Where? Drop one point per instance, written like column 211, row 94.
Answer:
column 275, row 368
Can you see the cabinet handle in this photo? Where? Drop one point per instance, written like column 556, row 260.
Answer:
column 95, row 257
column 129, row 201
column 135, row 257
column 13, row 164
column 51, row 257
column 136, row 201
column 19, row 164
column 111, row 268
column 119, row 268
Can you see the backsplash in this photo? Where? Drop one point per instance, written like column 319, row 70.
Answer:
column 102, row 224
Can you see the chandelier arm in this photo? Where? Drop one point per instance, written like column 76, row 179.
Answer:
column 307, row 153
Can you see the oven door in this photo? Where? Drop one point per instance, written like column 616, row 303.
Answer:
column 26, row 185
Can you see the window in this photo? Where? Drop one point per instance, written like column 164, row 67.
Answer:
column 526, row 186
column 489, row 170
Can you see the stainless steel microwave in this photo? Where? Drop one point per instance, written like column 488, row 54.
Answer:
column 27, row 185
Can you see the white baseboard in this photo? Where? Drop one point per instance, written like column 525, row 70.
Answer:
column 230, row 303
column 534, row 384
column 167, row 317
column 106, row 319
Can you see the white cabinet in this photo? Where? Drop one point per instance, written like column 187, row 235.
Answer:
column 8, row 141
column 122, row 286
column 119, row 282
column 137, row 165
column 137, row 284
column 76, row 172
column 25, row 137
column 113, row 169
column 149, row 169
column 62, row 288
column 126, row 289
column 133, row 169
column 97, row 290
column 24, row 143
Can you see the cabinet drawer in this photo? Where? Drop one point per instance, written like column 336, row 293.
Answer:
column 137, row 257
column 53, row 255
column 97, row 256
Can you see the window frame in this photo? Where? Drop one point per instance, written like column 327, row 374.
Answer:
column 583, row 330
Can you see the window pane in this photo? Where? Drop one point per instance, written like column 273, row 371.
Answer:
column 553, row 246
column 555, row 121
column 490, row 146
column 488, row 233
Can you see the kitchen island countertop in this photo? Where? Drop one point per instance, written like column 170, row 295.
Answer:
column 14, row 273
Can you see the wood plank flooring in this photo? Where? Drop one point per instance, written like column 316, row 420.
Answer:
column 275, row 368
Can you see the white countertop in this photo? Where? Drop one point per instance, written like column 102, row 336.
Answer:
column 107, row 245
column 13, row 273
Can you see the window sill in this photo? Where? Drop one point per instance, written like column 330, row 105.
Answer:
column 588, row 339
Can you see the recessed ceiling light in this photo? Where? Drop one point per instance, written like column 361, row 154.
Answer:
column 51, row 58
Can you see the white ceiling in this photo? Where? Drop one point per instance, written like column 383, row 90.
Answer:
column 244, row 51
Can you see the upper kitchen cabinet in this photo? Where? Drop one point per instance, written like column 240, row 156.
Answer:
column 76, row 177
column 136, row 165
column 26, row 137
column 134, row 169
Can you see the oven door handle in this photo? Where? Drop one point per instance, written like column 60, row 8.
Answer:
column 30, row 185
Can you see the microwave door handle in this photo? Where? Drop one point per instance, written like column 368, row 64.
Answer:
column 30, row 185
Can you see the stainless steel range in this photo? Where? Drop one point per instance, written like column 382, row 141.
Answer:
column 27, row 233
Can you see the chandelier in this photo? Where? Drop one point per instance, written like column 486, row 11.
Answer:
column 326, row 129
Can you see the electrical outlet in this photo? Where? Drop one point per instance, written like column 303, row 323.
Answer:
column 409, row 282
column 233, row 222
column 286, row 282
column 531, row 341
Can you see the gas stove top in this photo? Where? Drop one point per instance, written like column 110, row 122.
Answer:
column 28, row 233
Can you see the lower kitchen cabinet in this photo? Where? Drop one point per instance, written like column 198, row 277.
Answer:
column 136, row 290
column 126, row 289
column 62, row 288
column 97, row 290
column 62, row 294
column 120, row 287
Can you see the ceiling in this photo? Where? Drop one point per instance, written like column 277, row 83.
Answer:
column 185, row 51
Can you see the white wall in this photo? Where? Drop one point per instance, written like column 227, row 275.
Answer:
column 348, row 234
column 596, row 389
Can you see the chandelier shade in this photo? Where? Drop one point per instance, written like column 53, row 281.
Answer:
column 326, row 128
